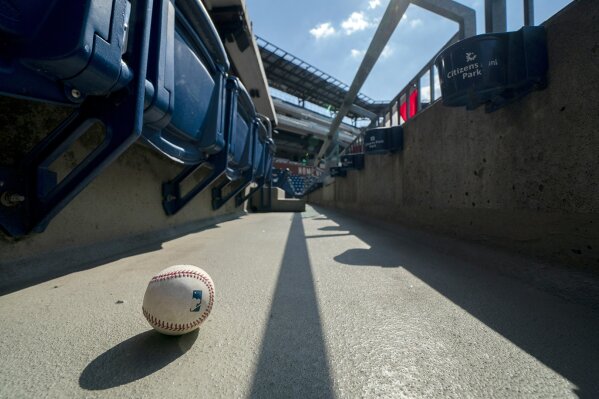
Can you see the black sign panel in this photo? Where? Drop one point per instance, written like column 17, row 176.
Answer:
column 383, row 139
column 375, row 140
column 493, row 68
column 337, row 171
column 353, row 161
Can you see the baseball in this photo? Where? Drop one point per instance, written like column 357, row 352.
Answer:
column 178, row 299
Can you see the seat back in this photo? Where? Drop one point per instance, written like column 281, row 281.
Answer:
column 270, row 156
column 63, row 51
column 241, row 129
column 185, row 113
column 260, row 149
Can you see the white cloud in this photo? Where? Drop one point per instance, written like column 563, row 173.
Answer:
column 323, row 30
column 425, row 92
column 414, row 23
column 356, row 22
column 357, row 53
column 372, row 4
column 387, row 52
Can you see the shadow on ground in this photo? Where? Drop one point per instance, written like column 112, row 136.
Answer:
column 293, row 360
column 15, row 276
column 331, row 228
column 359, row 256
column 561, row 335
column 135, row 358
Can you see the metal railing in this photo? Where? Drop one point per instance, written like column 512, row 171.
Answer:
column 356, row 146
column 495, row 17
column 403, row 97
column 415, row 85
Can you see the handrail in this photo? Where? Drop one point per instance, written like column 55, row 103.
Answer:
column 451, row 9
column 414, row 83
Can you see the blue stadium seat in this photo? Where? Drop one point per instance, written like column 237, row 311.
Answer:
column 260, row 150
column 294, row 185
column 242, row 128
column 165, row 80
column 270, row 157
column 281, row 178
column 62, row 51
column 297, row 182
column 234, row 166
column 195, row 114
column 264, row 150
column 185, row 114
column 78, row 53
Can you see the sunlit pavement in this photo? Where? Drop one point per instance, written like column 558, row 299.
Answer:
column 308, row 305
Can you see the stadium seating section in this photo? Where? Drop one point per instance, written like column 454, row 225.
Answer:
column 154, row 71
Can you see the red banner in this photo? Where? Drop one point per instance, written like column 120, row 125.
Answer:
column 413, row 106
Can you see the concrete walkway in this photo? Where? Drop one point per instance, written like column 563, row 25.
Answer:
column 308, row 305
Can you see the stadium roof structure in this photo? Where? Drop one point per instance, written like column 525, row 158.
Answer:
column 287, row 73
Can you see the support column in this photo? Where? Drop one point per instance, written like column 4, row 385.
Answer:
column 529, row 12
column 495, row 16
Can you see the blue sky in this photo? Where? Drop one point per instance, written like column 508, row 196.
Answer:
column 332, row 35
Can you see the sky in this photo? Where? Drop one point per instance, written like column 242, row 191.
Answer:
column 333, row 35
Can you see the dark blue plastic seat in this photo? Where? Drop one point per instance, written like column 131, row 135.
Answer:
column 262, row 168
column 185, row 113
column 278, row 176
column 281, row 178
column 242, row 130
column 260, row 150
column 233, row 167
column 270, row 157
column 264, row 151
column 79, row 53
column 61, row 51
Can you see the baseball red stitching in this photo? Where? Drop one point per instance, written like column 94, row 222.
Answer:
column 176, row 326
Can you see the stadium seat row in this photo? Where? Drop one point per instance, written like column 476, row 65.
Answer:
column 150, row 69
column 294, row 186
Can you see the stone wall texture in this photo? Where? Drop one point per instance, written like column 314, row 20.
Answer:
column 525, row 177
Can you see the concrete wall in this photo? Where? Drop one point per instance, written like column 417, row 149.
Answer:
column 278, row 202
column 524, row 177
column 119, row 210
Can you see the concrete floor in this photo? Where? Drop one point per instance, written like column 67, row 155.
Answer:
column 308, row 305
